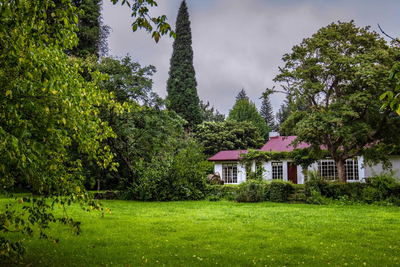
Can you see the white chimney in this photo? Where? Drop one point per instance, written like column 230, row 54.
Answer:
column 273, row 134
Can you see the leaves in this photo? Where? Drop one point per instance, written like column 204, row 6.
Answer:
column 340, row 73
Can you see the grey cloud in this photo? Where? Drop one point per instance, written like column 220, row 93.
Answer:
column 240, row 43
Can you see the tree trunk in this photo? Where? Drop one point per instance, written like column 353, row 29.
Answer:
column 98, row 185
column 341, row 171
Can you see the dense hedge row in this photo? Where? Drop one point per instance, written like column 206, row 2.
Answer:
column 380, row 189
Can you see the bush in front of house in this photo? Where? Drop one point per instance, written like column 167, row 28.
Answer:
column 279, row 191
column 382, row 187
column 217, row 192
column 251, row 191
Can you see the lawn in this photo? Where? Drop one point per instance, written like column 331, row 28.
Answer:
column 203, row 233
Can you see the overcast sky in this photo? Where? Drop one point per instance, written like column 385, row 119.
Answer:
column 240, row 43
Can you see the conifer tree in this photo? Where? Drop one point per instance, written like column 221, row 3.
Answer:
column 181, row 85
column 245, row 110
column 242, row 95
column 267, row 114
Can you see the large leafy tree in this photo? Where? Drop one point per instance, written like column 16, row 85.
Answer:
column 143, row 129
column 228, row 135
column 245, row 110
column 340, row 72
column 45, row 105
column 181, row 85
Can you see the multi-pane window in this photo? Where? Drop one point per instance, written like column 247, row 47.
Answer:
column 277, row 170
column 229, row 173
column 351, row 169
column 328, row 170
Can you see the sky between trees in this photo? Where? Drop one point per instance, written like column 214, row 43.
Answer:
column 240, row 43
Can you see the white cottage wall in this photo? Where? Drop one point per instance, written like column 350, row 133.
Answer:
column 370, row 171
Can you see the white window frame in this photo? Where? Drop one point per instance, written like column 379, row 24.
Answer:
column 277, row 170
column 328, row 171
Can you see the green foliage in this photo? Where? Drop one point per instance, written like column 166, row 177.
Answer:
column 257, row 175
column 280, row 191
column 209, row 114
column 179, row 177
column 340, row 72
column 228, row 135
column 245, row 110
column 145, row 132
column 181, row 85
column 391, row 96
column 217, row 192
column 140, row 11
column 45, row 106
column 267, row 113
column 385, row 185
column 92, row 33
column 251, row 191
column 242, row 95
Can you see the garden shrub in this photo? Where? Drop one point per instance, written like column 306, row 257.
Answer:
column 299, row 195
column 315, row 183
column 370, row 195
column 250, row 191
column 182, row 177
column 280, row 191
column 385, row 184
column 227, row 192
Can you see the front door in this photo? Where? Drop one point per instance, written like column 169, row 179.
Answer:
column 292, row 172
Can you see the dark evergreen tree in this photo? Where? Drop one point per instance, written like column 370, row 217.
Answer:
column 242, row 95
column 181, row 85
column 92, row 33
column 283, row 112
column 267, row 114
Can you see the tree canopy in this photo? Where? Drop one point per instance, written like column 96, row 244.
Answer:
column 245, row 110
column 228, row 135
column 340, row 72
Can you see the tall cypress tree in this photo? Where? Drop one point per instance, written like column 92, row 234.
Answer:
column 181, row 85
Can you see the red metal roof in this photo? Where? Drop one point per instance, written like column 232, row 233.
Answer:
column 282, row 143
column 277, row 144
column 229, row 155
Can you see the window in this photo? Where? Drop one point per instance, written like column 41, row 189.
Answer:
column 277, row 170
column 352, row 169
column 328, row 170
column 229, row 173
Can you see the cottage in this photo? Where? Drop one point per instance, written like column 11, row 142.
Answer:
column 227, row 163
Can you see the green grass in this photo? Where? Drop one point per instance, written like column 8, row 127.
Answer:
column 206, row 233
